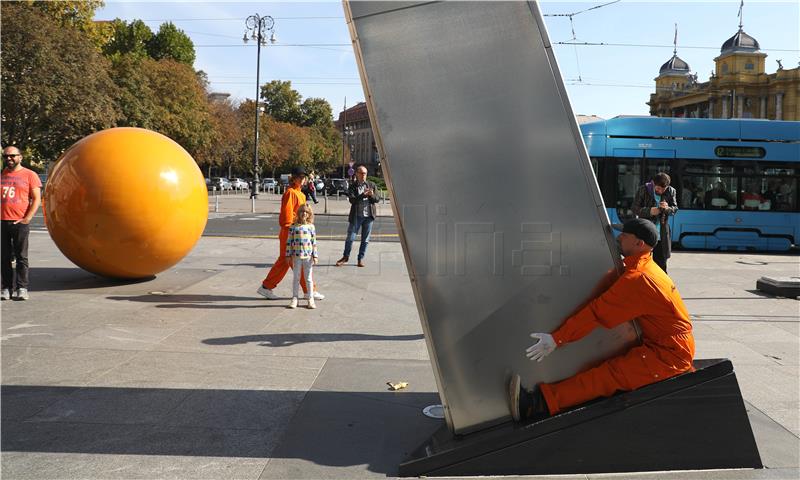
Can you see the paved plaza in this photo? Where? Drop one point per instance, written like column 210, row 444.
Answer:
column 192, row 375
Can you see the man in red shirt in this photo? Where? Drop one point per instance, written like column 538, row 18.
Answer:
column 292, row 198
column 22, row 194
column 643, row 292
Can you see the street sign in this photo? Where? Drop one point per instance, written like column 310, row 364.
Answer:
column 350, row 171
column 351, row 163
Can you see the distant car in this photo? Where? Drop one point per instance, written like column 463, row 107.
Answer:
column 221, row 183
column 238, row 183
column 269, row 184
column 336, row 186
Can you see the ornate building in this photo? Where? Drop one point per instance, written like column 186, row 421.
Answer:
column 739, row 87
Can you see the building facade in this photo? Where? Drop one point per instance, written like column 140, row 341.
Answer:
column 355, row 127
column 739, row 86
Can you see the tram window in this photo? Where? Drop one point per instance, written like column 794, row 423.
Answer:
column 782, row 193
column 708, row 185
column 629, row 177
column 768, row 169
column 708, row 167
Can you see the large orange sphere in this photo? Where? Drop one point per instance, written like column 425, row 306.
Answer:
column 126, row 203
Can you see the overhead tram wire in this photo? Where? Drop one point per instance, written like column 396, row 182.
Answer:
column 237, row 19
column 644, row 45
column 572, row 27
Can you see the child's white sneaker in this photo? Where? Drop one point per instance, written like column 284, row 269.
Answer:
column 293, row 303
column 311, row 303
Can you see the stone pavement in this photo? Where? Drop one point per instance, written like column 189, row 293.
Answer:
column 191, row 375
column 271, row 203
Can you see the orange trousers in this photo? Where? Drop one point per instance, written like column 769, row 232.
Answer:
column 638, row 367
column 282, row 265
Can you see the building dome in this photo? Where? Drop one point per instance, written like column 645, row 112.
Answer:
column 740, row 42
column 674, row 66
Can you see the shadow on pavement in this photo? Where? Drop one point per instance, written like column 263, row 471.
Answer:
column 60, row 278
column 289, row 339
column 200, row 301
column 254, row 265
column 372, row 429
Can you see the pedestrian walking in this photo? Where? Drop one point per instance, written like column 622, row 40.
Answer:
column 291, row 201
column 655, row 201
column 363, row 195
column 310, row 189
column 301, row 250
column 21, row 198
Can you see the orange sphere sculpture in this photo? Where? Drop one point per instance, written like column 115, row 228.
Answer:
column 126, row 203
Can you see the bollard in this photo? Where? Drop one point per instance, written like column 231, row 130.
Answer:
column 216, row 203
column 253, row 207
column 325, row 200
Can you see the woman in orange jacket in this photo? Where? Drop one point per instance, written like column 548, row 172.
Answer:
column 643, row 292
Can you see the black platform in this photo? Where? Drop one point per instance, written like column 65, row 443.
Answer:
column 694, row 421
column 788, row 287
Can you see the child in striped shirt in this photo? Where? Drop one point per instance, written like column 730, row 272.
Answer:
column 301, row 246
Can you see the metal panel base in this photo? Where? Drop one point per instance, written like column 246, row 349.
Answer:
column 694, row 421
column 788, row 287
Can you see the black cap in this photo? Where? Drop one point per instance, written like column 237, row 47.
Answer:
column 644, row 230
column 298, row 171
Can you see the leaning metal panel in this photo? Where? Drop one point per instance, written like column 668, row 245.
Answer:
column 502, row 225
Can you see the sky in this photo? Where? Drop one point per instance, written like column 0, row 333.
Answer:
column 313, row 44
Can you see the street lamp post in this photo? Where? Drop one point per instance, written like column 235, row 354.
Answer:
column 347, row 132
column 258, row 27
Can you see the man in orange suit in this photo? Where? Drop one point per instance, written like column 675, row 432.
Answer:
column 643, row 292
column 292, row 198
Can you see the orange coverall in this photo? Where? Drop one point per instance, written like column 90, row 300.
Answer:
column 644, row 292
column 290, row 202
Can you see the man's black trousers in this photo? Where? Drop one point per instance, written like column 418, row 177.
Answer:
column 14, row 245
column 658, row 256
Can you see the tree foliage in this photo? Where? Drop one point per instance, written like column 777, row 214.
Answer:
column 55, row 84
column 171, row 43
column 77, row 14
column 182, row 111
column 226, row 143
column 316, row 112
column 58, row 86
column 281, row 101
column 128, row 39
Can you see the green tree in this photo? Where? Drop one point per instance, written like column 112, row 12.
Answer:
column 225, row 147
column 128, row 39
column 77, row 14
column 136, row 99
column 267, row 160
column 282, row 102
column 56, row 87
column 181, row 107
column 171, row 43
column 316, row 112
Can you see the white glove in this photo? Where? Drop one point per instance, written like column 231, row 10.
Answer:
column 542, row 348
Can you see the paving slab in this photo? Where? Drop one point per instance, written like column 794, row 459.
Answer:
column 362, row 430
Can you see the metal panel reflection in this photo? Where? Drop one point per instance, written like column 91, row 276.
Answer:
column 501, row 221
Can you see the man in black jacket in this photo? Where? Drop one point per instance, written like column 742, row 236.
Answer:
column 655, row 201
column 363, row 196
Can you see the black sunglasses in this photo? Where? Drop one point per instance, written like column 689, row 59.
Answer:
column 11, row 155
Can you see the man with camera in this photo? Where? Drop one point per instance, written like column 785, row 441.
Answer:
column 655, row 201
column 363, row 195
